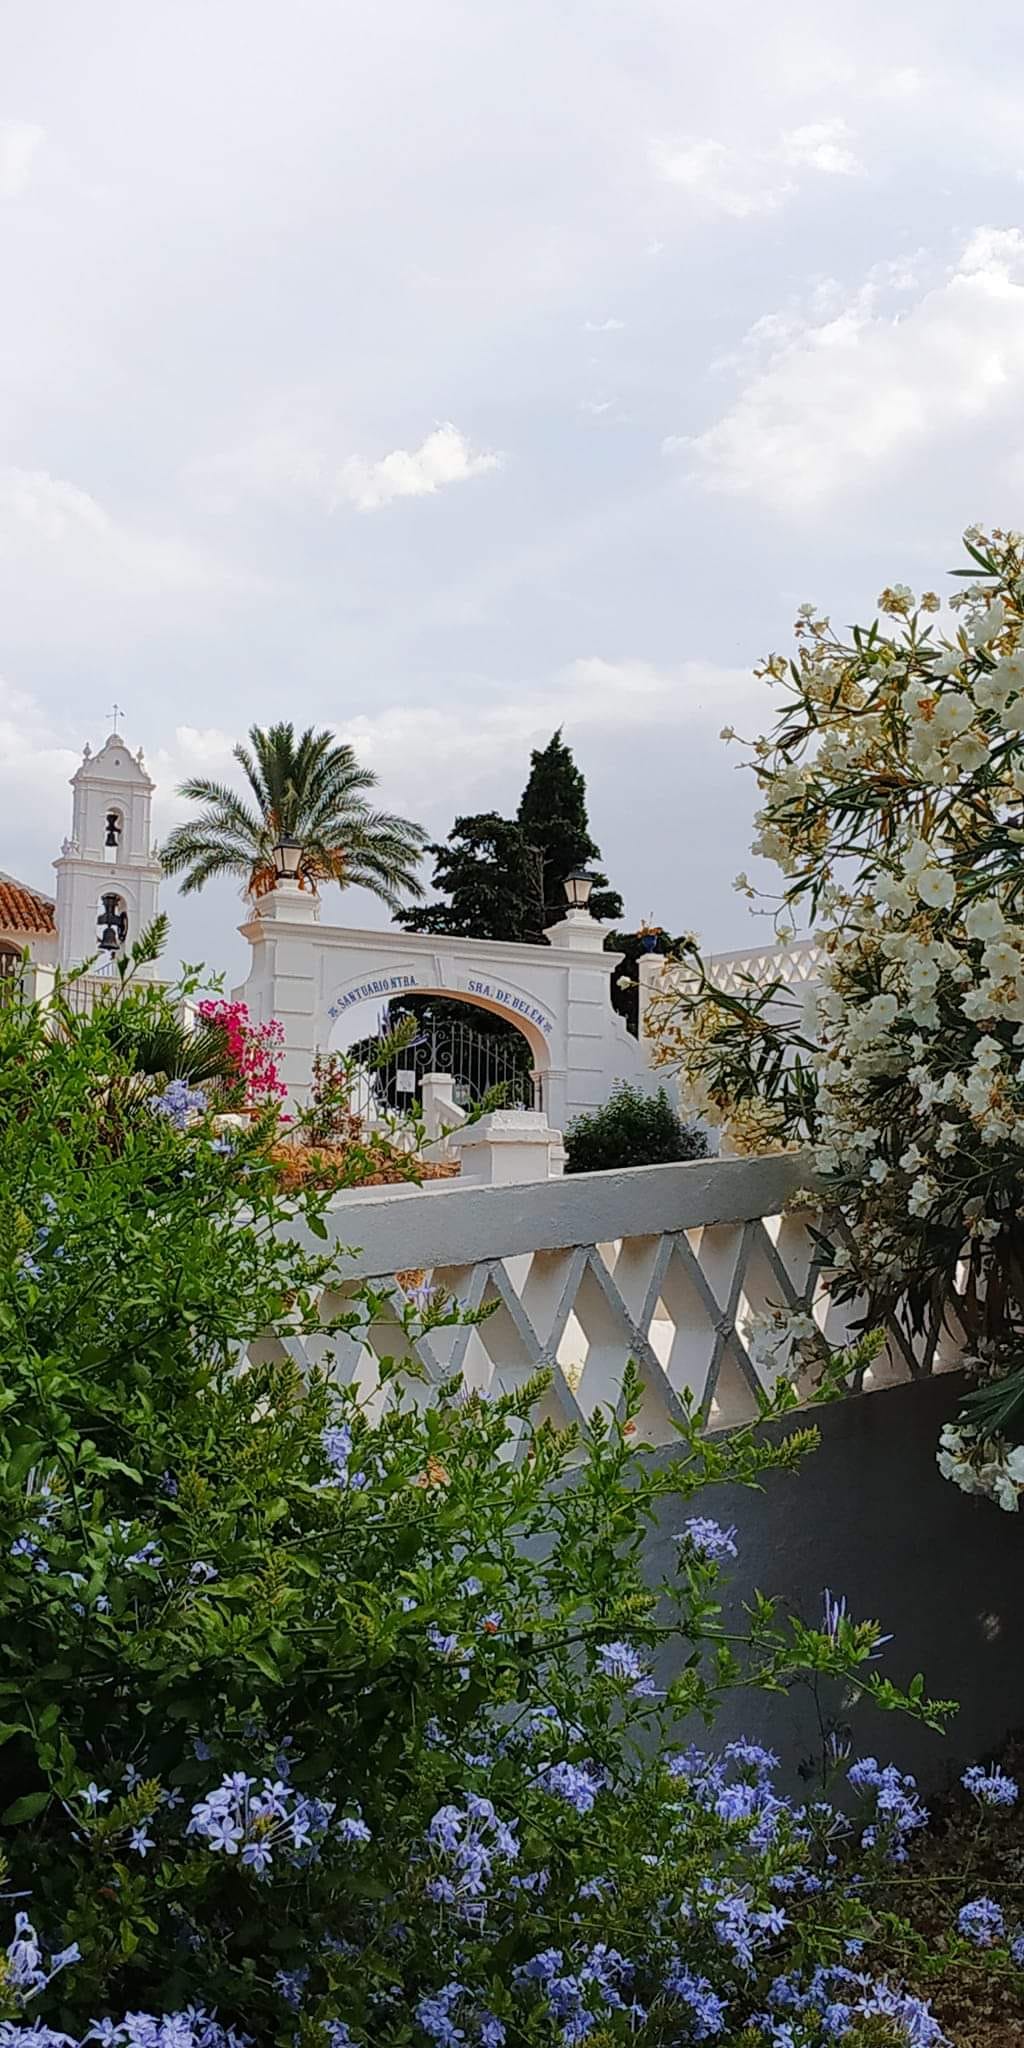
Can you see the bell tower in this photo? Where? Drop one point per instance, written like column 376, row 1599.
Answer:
column 108, row 880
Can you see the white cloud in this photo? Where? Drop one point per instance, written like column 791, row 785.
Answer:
column 850, row 393
column 590, row 695
column 35, row 763
column 722, row 177
column 53, row 528
column 603, row 326
column 744, row 183
column 821, row 146
column 445, row 457
column 19, row 144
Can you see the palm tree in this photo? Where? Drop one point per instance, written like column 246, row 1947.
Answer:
column 311, row 789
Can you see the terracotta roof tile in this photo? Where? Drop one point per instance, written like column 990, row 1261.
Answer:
column 21, row 910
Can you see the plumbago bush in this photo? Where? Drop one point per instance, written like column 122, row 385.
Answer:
column 892, row 789
column 326, row 1723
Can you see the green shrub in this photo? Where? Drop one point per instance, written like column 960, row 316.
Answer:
column 343, row 1722
column 631, row 1129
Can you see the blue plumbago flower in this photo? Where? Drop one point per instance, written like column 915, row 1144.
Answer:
column 465, row 1842
column 27, row 1547
column 706, row 2011
column 338, row 2035
column 448, row 1647
column 434, row 2015
column 179, row 1102
column 27, row 1972
column 708, row 1537
column 149, row 1554
column 577, row 1784
column 836, row 1612
column 336, row 1443
column 739, row 1925
column 575, row 1996
column 201, row 1749
column 289, row 1985
column 224, row 1146
column 898, row 1810
column 93, row 1796
column 920, row 2026
column 472, row 1588
column 194, row 2028
column 140, row 1841
column 236, row 1819
column 351, row 1828
column 1017, row 1950
column 168, row 1485
column 982, row 1922
column 30, row 1266
column 991, row 1787
column 621, row 1661
column 422, row 1295
column 203, row 1573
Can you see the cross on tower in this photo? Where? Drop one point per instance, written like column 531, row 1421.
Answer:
column 118, row 713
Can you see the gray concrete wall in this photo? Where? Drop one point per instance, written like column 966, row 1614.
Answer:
column 869, row 1516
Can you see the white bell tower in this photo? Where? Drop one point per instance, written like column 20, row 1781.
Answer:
column 108, row 880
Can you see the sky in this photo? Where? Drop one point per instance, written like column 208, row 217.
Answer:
column 445, row 373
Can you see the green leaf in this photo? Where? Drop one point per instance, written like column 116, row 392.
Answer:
column 9, row 1728
column 25, row 1808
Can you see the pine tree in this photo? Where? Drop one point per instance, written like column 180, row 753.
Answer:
column 492, row 878
column 552, row 815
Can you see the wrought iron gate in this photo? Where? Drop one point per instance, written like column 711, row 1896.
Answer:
column 480, row 1063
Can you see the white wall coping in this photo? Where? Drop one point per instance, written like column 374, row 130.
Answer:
column 346, row 938
column 476, row 1223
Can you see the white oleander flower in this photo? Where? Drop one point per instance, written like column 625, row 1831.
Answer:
column 918, row 855
column 922, row 1195
column 878, row 1170
column 985, row 919
column 935, row 887
column 946, row 1140
column 953, row 714
column 912, row 1159
column 948, row 662
column 993, row 690
column 990, row 624
column 1001, row 960
column 969, row 753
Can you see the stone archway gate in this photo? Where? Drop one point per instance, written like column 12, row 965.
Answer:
column 308, row 974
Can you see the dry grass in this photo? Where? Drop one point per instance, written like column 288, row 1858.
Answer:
column 366, row 1162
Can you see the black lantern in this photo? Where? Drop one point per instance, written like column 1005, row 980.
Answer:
column 113, row 829
column 287, row 855
column 113, row 923
column 578, row 884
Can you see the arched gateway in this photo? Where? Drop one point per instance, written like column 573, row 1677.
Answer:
column 308, row 974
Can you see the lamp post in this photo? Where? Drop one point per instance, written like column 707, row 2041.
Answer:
column 287, row 857
column 578, row 885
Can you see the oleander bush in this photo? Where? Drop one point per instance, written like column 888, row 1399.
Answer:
column 891, row 791
column 336, row 1717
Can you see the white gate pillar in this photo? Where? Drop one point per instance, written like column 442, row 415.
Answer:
column 284, row 981
column 589, row 1020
